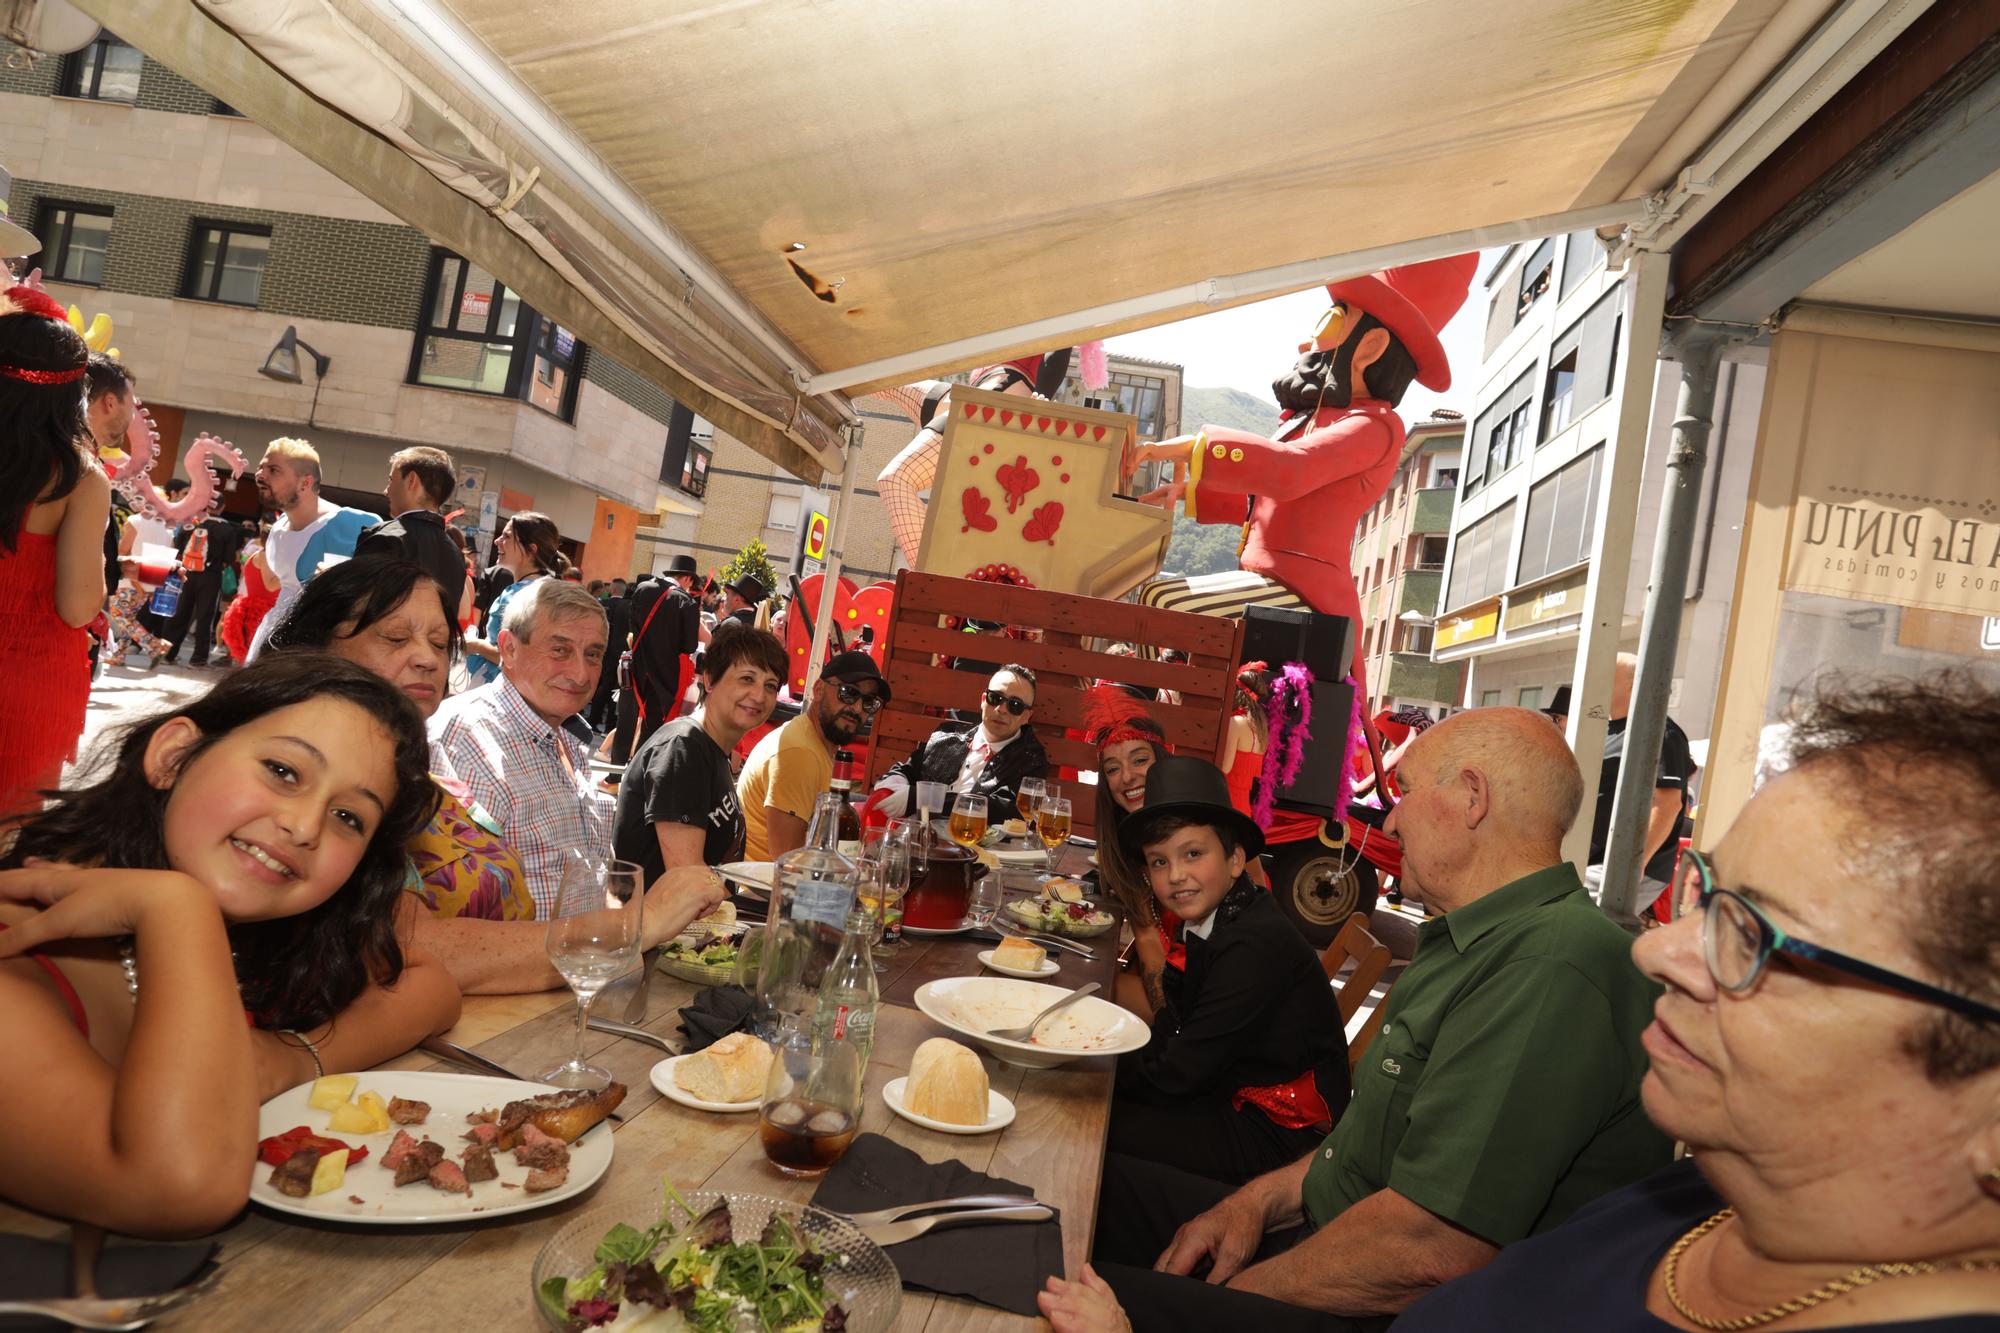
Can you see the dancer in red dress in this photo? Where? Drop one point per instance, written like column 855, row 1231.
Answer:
column 54, row 502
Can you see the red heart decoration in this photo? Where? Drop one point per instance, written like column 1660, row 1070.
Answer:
column 970, row 408
column 1042, row 526
column 1006, row 418
column 986, row 414
column 978, row 510
column 799, row 628
column 1042, row 424
column 1017, row 479
column 1097, row 434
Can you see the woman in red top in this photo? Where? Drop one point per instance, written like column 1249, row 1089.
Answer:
column 54, row 503
column 240, row 856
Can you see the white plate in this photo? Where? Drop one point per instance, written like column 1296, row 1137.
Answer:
column 757, row 874
column 928, row 931
column 974, row 1006
column 452, row 1098
column 1049, row 967
column 999, row 1111
column 663, row 1079
column 1019, row 856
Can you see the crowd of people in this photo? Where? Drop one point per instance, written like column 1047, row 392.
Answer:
column 304, row 868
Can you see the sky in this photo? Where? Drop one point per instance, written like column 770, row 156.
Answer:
column 1248, row 347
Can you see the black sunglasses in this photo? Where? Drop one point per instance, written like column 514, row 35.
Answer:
column 995, row 699
column 870, row 703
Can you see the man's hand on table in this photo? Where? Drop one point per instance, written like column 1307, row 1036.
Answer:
column 1086, row 1305
column 677, row 898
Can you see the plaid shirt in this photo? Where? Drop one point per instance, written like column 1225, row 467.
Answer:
column 513, row 763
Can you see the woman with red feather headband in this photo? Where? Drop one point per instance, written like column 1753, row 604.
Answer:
column 54, row 502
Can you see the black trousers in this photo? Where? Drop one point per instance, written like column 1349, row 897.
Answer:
column 1141, row 1206
column 628, row 725
column 196, row 611
column 1207, row 1136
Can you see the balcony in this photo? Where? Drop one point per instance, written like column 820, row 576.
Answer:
column 1433, row 509
column 1417, row 590
column 1415, row 676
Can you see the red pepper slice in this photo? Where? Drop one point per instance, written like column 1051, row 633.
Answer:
column 278, row 1149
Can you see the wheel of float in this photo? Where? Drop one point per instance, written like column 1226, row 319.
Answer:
column 1319, row 887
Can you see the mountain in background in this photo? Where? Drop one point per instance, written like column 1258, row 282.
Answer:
column 1227, row 407
column 1210, row 548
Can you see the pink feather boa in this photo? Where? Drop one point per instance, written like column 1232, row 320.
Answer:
column 1285, row 754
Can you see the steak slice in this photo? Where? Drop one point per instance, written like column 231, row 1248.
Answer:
column 418, row 1162
column 483, row 1134
column 399, row 1148
column 408, row 1113
column 295, row 1176
column 447, row 1178
column 550, row 1178
column 479, row 1163
column 540, row 1151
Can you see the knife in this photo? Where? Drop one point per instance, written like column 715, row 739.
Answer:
column 895, row 1233
column 636, row 1033
column 635, row 1012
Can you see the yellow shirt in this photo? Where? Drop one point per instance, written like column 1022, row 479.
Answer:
column 787, row 771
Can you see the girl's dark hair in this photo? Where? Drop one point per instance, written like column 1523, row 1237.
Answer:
column 733, row 642
column 1323, row 379
column 1253, row 700
column 298, row 971
column 1117, row 869
column 358, row 591
column 540, row 538
column 43, row 427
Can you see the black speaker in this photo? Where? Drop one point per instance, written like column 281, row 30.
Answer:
column 1281, row 634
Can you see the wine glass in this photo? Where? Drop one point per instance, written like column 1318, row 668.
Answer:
column 929, row 802
column 1052, row 826
column 885, row 870
column 1027, row 797
column 988, row 890
column 593, row 938
column 812, row 1104
column 968, row 819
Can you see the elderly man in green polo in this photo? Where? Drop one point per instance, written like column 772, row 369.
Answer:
column 1500, row 1092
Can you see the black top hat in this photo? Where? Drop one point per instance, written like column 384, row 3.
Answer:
column 748, row 588
column 1559, row 705
column 681, row 564
column 1183, row 785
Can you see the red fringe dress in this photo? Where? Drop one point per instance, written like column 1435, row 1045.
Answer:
column 44, row 675
column 246, row 613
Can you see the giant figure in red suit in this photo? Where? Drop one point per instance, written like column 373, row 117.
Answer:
column 1299, row 495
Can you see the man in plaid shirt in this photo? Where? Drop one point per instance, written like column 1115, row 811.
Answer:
column 506, row 740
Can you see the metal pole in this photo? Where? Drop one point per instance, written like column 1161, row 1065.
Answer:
column 836, row 541
column 1660, row 630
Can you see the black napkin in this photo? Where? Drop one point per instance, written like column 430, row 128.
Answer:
column 37, row 1270
column 714, row 1014
column 1001, row 1264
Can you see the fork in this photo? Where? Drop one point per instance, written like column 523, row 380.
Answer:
column 114, row 1316
column 1049, row 941
column 1026, row 1032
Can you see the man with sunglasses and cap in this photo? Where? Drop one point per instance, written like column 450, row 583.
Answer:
column 791, row 766
column 988, row 759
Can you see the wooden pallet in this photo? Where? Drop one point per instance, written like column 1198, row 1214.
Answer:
column 925, row 685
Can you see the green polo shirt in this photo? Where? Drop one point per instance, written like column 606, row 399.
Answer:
column 1501, row 1091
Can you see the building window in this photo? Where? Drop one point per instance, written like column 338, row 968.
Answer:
column 1582, row 253
column 1530, row 696
column 1479, row 561
column 1561, row 393
column 1535, row 277
column 226, row 262
column 1431, row 556
column 1489, row 698
column 694, row 471
column 1445, row 476
column 479, row 337
column 1562, row 518
column 1417, row 638
column 1143, row 396
column 1501, row 434
column 75, row 239
column 1583, row 363
column 105, row 71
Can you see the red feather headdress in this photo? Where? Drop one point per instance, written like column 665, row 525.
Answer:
column 1111, row 715
column 25, row 300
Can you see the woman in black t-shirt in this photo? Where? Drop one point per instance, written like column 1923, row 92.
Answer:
column 677, row 800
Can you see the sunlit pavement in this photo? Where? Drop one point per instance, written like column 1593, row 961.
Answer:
column 123, row 695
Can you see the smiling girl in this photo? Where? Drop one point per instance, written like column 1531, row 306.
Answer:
column 240, row 858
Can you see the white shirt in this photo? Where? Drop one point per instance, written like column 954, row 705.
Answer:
column 968, row 772
column 1203, row 926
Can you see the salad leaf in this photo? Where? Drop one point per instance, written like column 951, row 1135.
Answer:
column 625, row 1245
column 554, row 1297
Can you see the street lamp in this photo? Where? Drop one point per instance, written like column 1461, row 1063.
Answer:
column 283, row 365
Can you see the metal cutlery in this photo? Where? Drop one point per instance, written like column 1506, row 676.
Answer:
column 963, row 1201
column 1049, row 941
column 636, row 1033
column 1026, row 1032
column 114, row 1316
column 459, row 1055
column 895, row 1233
column 635, row 1012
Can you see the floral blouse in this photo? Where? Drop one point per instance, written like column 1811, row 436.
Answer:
column 460, row 865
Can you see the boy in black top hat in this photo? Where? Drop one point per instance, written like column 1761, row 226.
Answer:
column 1247, row 1065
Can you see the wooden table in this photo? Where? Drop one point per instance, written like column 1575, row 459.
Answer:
column 284, row 1272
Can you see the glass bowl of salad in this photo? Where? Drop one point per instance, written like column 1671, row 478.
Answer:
column 714, row 1263
column 708, row 960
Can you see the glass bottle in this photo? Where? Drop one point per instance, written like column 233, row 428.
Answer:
column 848, row 996
column 812, row 891
column 843, row 787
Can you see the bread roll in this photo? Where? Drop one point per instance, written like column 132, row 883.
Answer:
column 732, row 1070
column 1019, row 954
column 1064, row 890
column 947, row 1083
column 722, row 914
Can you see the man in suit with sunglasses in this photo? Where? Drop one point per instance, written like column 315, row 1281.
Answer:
column 989, row 759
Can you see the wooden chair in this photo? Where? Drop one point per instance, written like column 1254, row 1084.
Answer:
column 1370, row 957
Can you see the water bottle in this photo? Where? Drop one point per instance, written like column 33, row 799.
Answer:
column 812, row 891
column 168, row 599
column 848, row 996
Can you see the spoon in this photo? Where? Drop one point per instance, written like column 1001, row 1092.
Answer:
column 1026, row 1032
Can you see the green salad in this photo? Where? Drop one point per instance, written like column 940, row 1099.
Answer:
column 715, row 1284
column 719, row 952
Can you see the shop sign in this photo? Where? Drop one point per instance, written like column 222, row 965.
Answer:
column 1553, row 601
column 1467, row 627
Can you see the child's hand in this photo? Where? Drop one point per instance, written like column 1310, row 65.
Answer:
column 85, row 904
column 1086, row 1305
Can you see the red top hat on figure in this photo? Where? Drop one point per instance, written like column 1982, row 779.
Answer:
column 1414, row 302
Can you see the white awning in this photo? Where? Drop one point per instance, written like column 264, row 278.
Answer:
column 768, row 204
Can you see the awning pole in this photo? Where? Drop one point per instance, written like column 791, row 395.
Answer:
column 836, row 542
column 1660, row 630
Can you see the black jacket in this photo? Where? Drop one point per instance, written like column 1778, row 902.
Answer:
column 1253, row 1009
column 939, row 759
column 666, row 627
column 225, row 539
column 419, row 538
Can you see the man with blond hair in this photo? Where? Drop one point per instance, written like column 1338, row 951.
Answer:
column 421, row 480
column 309, row 528
column 1498, row 1093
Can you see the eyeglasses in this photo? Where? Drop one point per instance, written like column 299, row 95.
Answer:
column 995, row 699
column 1737, row 939
column 870, row 703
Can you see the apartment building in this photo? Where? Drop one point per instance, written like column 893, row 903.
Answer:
column 1399, row 561
column 1530, row 491
column 205, row 238
column 744, row 495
